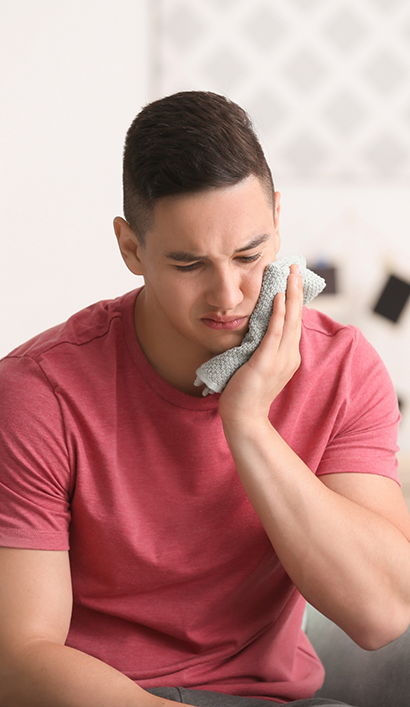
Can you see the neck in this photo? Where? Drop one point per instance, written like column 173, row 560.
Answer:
column 169, row 356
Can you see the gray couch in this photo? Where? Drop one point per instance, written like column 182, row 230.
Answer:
column 357, row 677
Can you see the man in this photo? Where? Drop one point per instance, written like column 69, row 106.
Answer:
column 158, row 546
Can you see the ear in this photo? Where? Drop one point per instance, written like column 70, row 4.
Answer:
column 277, row 218
column 129, row 245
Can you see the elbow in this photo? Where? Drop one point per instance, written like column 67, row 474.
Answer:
column 383, row 629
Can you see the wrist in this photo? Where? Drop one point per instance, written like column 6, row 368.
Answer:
column 246, row 427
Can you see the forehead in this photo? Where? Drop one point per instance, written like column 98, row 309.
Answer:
column 231, row 214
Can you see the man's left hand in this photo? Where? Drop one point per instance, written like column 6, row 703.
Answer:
column 255, row 385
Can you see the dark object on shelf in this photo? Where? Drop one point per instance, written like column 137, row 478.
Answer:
column 330, row 275
column 393, row 298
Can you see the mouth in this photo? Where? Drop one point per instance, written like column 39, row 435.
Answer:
column 224, row 323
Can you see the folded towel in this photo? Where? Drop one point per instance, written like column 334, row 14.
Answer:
column 216, row 373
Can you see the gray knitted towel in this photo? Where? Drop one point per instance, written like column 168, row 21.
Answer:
column 216, row 373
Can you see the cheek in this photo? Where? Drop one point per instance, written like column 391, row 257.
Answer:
column 178, row 295
column 252, row 280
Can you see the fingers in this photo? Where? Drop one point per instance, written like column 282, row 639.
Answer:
column 277, row 320
column 276, row 359
column 284, row 329
column 287, row 309
column 294, row 303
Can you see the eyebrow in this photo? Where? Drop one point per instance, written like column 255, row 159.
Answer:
column 255, row 242
column 182, row 256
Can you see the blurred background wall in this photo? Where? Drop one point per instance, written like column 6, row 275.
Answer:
column 72, row 77
column 326, row 83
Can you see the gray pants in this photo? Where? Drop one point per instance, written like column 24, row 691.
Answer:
column 203, row 698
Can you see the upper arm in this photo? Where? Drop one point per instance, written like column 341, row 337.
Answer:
column 379, row 494
column 35, row 597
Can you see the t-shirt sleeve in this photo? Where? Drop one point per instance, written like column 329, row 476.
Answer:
column 364, row 438
column 35, row 476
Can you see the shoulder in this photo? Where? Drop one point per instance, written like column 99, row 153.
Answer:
column 323, row 339
column 347, row 400
column 343, row 360
column 74, row 350
column 83, row 327
column 319, row 325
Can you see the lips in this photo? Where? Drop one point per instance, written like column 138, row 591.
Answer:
column 224, row 323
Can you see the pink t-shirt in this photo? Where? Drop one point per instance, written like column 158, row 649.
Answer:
column 175, row 581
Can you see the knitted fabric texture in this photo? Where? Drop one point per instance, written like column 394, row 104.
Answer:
column 216, row 373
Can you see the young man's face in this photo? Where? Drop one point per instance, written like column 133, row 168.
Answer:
column 203, row 263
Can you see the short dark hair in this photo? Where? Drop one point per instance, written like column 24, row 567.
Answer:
column 185, row 143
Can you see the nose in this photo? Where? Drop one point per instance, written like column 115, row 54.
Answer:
column 224, row 291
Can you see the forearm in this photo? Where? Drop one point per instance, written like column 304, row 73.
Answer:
column 46, row 674
column 349, row 562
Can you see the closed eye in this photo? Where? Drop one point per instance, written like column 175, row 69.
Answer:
column 188, row 268
column 245, row 259
column 249, row 258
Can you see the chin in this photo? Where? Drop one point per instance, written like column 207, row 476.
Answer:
column 220, row 348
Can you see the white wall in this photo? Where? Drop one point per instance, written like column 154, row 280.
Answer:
column 363, row 229
column 73, row 76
